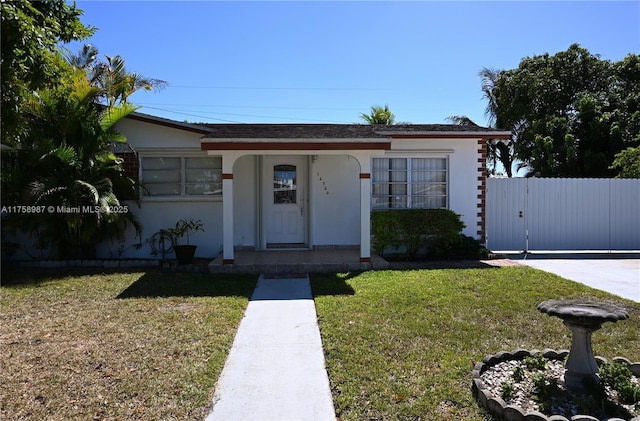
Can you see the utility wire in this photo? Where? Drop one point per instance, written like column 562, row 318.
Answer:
column 282, row 88
column 251, row 106
column 245, row 115
column 192, row 115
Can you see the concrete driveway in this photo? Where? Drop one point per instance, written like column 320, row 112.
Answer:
column 617, row 273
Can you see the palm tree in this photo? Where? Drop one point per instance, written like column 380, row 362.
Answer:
column 488, row 79
column 496, row 151
column 111, row 76
column 499, row 150
column 65, row 163
column 379, row 115
column 462, row 120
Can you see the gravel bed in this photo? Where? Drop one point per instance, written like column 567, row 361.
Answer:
column 494, row 377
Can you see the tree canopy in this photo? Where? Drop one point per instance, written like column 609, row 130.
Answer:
column 379, row 115
column 31, row 32
column 571, row 112
column 65, row 161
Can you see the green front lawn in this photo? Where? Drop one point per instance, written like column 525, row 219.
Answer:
column 116, row 346
column 400, row 345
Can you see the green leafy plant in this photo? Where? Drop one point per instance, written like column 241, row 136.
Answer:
column 414, row 231
column 535, row 362
column 508, row 390
column 183, row 228
column 618, row 377
column 545, row 388
column 460, row 246
column 518, row 374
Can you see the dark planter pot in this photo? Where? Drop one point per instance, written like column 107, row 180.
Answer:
column 185, row 254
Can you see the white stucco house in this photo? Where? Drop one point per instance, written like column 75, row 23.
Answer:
column 310, row 186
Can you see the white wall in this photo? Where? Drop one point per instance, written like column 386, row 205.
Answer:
column 463, row 172
column 244, row 202
column 334, row 186
column 158, row 215
column 141, row 135
column 161, row 213
column 335, row 190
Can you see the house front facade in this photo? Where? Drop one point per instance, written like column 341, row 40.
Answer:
column 297, row 186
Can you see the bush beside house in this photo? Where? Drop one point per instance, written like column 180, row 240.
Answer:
column 422, row 233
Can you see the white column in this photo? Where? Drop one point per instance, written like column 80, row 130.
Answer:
column 365, row 217
column 227, row 208
column 365, row 206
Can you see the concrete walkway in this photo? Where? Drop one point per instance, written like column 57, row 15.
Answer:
column 617, row 273
column 276, row 369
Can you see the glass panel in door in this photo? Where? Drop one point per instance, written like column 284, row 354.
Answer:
column 284, row 184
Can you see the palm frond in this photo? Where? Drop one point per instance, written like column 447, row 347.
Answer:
column 40, row 192
column 66, row 154
column 461, row 120
column 489, row 78
column 114, row 114
column 89, row 188
column 379, row 115
column 84, row 58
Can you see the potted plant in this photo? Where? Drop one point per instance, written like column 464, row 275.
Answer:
column 185, row 252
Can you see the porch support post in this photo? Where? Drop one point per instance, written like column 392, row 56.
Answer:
column 365, row 206
column 365, row 217
column 227, row 209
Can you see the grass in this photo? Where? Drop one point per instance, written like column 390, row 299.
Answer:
column 116, row 346
column 400, row 345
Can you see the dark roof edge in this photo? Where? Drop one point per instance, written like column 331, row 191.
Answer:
column 483, row 134
column 405, row 131
column 146, row 118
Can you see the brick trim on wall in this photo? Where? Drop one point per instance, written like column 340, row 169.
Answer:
column 131, row 166
column 482, row 190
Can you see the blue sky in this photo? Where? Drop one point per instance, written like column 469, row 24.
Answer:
column 326, row 62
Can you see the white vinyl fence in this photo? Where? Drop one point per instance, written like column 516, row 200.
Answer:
column 528, row 214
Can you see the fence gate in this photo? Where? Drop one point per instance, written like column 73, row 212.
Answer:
column 528, row 214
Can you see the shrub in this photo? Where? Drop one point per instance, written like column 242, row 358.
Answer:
column 461, row 246
column 415, row 230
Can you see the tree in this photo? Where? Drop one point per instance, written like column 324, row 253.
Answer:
column 462, row 120
column 65, row 161
column 31, row 31
column 111, row 75
column 627, row 162
column 65, row 165
column 379, row 115
column 570, row 112
column 498, row 151
column 488, row 79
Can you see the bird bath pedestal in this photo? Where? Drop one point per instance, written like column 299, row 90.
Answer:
column 583, row 318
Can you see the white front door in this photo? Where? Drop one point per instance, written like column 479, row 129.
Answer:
column 285, row 201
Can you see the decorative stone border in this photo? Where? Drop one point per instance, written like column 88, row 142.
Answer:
column 497, row 407
column 167, row 265
column 92, row 263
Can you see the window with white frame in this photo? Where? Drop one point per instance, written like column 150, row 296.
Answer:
column 409, row 183
column 181, row 175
